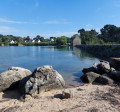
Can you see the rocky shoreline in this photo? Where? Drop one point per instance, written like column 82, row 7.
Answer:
column 44, row 90
column 105, row 73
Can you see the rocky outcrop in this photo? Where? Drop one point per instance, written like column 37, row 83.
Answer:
column 115, row 62
column 101, row 73
column 115, row 75
column 90, row 69
column 93, row 78
column 11, row 78
column 89, row 77
column 26, row 71
column 102, row 67
column 104, row 80
column 43, row 79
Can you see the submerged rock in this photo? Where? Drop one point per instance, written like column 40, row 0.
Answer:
column 11, row 78
column 43, row 79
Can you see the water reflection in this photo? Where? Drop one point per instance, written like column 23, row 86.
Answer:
column 66, row 60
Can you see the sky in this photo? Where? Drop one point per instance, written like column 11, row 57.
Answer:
column 56, row 17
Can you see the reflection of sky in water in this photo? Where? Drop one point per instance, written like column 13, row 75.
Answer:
column 67, row 61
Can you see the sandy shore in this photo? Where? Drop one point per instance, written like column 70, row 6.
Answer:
column 87, row 98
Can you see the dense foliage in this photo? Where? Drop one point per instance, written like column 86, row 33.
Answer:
column 109, row 34
column 6, row 40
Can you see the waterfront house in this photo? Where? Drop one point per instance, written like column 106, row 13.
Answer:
column 37, row 40
column 11, row 41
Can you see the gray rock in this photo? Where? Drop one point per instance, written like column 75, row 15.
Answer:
column 27, row 72
column 90, row 69
column 93, row 78
column 115, row 75
column 102, row 67
column 11, row 78
column 89, row 77
column 67, row 93
column 104, row 80
column 44, row 79
column 115, row 62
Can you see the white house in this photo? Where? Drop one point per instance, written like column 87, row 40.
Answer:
column 37, row 40
column 33, row 41
column 52, row 40
column 11, row 41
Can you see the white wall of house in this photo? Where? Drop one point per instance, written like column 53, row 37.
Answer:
column 12, row 42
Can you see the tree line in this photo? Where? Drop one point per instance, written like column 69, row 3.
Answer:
column 6, row 39
column 109, row 34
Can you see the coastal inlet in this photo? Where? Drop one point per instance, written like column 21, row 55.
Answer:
column 68, row 61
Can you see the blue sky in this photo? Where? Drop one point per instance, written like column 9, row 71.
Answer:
column 56, row 17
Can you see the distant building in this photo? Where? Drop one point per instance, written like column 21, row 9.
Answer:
column 75, row 40
column 11, row 41
column 27, row 41
column 33, row 41
column 37, row 40
column 52, row 40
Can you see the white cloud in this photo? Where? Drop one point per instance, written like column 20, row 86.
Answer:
column 56, row 22
column 4, row 29
column 89, row 25
column 3, row 20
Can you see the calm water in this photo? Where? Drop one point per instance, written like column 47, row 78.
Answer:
column 67, row 61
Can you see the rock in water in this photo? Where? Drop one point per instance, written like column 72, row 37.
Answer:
column 92, row 77
column 102, row 67
column 11, row 78
column 115, row 62
column 90, row 69
column 89, row 77
column 104, row 80
column 44, row 79
column 27, row 72
column 115, row 75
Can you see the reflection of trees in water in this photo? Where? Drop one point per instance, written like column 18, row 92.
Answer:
column 63, row 48
column 82, row 54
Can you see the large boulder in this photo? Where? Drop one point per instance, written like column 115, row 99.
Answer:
column 115, row 75
column 115, row 62
column 102, row 67
column 26, row 71
column 104, row 80
column 89, row 77
column 43, row 79
column 11, row 78
column 90, row 69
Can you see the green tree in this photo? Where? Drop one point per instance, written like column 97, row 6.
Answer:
column 110, row 33
column 87, row 36
column 61, row 40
